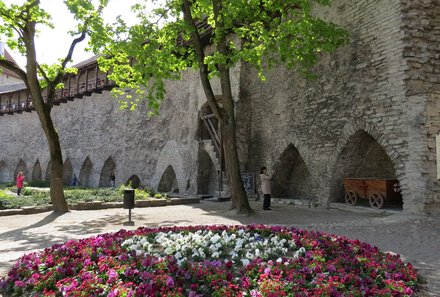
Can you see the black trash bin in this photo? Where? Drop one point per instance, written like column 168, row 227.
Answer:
column 129, row 199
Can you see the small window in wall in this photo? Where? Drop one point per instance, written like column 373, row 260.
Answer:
column 437, row 146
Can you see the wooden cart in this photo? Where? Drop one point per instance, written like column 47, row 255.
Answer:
column 375, row 190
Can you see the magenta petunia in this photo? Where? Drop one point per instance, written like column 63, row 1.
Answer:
column 198, row 261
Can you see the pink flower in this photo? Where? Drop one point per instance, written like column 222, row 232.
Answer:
column 112, row 276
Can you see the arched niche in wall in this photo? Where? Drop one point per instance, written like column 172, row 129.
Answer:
column 207, row 123
column 36, row 171
column 68, row 172
column 5, row 175
column 48, row 172
column 207, row 177
column 21, row 166
column 134, row 181
column 107, row 170
column 168, row 181
column 292, row 177
column 85, row 172
column 361, row 157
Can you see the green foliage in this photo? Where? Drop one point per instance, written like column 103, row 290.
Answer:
column 266, row 32
column 4, row 195
column 17, row 21
column 38, row 183
column 37, row 197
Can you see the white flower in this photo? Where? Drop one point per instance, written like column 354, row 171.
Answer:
column 245, row 262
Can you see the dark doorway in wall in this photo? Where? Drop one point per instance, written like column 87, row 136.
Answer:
column 4, row 172
column 207, row 179
column 23, row 168
column 85, row 172
column 292, row 177
column 36, row 171
column 134, row 181
column 361, row 157
column 168, row 182
column 48, row 172
column 107, row 170
column 68, row 172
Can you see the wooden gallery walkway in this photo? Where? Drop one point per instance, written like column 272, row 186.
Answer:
column 15, row 98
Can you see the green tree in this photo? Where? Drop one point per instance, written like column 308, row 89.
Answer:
column 170, row 39
column 19, row 25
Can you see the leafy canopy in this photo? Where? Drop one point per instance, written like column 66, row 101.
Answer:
column 21, row 23
column 259, row 32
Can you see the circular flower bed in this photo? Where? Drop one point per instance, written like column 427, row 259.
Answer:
column 211, row 261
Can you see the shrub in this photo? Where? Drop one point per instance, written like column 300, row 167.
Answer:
column 38, row 183
column 41, row 196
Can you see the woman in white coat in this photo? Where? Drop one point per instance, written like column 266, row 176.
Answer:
column 265, row 187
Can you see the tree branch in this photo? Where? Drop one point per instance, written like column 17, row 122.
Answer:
column 198, row 47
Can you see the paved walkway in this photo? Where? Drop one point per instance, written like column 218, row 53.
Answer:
column 416, row 238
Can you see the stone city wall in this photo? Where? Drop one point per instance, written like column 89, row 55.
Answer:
column 372, row 112
column 354, row 120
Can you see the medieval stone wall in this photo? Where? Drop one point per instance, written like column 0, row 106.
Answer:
column 98, row 139
column 357, row 106
column 94, row 131
column 373, row 111
column 422, row 59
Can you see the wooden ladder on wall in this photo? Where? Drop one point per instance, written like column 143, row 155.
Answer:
column 216, row 139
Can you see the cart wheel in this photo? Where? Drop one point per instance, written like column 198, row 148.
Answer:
column 351, row 198
column 376, row 200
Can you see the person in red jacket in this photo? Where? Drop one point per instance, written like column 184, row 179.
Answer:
column 20, row 178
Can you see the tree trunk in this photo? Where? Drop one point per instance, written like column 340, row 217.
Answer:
column 59, row 202
column 239, row 198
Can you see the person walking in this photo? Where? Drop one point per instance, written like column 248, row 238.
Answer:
column 112, row 180
column 19, row 183
column 265, row 187
column 75, row 181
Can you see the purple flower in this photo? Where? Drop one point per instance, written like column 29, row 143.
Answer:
column 20, row 284
column 170, row 282
column 112, row 276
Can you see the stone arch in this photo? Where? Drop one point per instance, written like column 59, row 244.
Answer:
column 85, row 173
column 168, row 182
column 362, row 156
column 202, row 129
column 36, row 171
column 48, row 171
column 134, row 180
column 107, row 170
column 170, row 156
column 4, row 172
column 68, row 172
column 21, row 166
column 292, row 177
column 207, row 177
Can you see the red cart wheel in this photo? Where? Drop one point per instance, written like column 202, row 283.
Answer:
column 376, row 200
column 351, row 197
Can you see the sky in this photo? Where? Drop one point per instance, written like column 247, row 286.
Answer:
column 53, row 44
